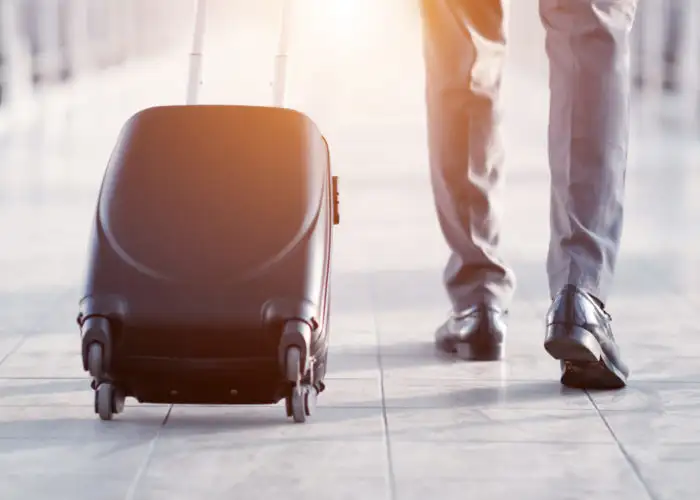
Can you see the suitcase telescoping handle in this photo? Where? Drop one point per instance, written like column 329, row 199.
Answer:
column 195, row 69
column 279, row 79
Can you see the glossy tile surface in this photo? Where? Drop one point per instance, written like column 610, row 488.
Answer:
column 397, row 421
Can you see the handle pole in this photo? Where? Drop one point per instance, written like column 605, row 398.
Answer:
column 279, row 79
column 195, row 69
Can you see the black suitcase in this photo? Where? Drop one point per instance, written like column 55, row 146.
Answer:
column 208, row 279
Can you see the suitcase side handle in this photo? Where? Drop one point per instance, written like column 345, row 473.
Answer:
column 336, row 201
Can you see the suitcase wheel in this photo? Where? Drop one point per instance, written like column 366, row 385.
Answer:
column 293, row 369
column 97, row 347
column 95, row 357
column 109, row 401
column 301, row 401
column 294, row 350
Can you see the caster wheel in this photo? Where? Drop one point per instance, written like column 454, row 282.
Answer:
column 298, row 404
column 118, row 400
column 288, row 406
column 94, row 363
column 104, row 401
column 310, row 401
column 292, row 365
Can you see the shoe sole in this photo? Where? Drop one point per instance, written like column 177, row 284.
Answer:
column 479, row 352
column 471, row 351
column 483, row 345
column 585, row 365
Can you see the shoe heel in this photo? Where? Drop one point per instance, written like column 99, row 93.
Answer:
column 480, row 352
column 572, row 343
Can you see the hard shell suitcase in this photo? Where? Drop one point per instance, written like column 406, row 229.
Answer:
column 208, row 278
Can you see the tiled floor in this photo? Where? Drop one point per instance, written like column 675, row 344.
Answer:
column 397, row 421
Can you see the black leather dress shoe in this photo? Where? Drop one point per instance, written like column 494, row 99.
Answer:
column 580, row 336
column 476, row 334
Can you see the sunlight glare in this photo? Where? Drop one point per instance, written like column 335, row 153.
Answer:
column 347, row 20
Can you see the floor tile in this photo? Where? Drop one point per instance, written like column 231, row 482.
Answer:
column 80, row 468
column 497, row 425
column 45, row 355
column 256, row 453
column 497, row 470
column 479, row 394
column 670, row 471
column 79, row 423
column 642, row 396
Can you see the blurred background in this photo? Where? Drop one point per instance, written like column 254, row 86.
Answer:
column 46, row 44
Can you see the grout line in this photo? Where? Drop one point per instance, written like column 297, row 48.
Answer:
column 633, row 465
column 385, row 419
column 50, row 378
column 387, row 439
column 14, row 349
column 131, row 492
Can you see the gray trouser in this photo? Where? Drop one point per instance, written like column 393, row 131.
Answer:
column 587, row 42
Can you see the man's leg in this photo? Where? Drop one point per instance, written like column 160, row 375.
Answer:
column 464, row 49
column 674, row 30
column 638, row 41
column 588, row 43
